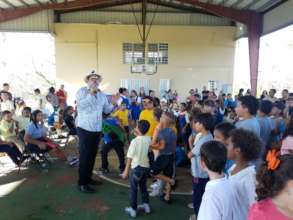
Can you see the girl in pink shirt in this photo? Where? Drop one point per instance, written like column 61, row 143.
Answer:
column 274, row 189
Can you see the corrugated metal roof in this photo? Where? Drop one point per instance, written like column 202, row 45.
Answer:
column 256, row 5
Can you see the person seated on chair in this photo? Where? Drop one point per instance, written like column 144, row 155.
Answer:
column 9, row 130
column 35, row 135
column 69, row 120
column 12, row 151
column 114, row 137
column 23, row 122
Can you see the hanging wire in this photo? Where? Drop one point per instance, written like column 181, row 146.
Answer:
column 153, row 18
column 136, row 21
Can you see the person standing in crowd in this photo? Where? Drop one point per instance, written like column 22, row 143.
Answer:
column 271, row 97
column 285, row 96
column 205, row 93
column 6, row 104
column 148, row 114
column 134, row 96
column 142, row 93
column 53, row 97
column 156, row 100
column 246, row 110
column 62, row 97
column 264, row 94
column 38, row 100
column 91, row 103
column 123, row 92
column 240, row 93
column 243, row 148
column 6, row 88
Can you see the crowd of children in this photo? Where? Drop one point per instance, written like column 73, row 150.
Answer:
column 240, row 151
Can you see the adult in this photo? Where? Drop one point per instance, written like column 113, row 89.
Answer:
column 264, row 94
column 62, row 97
column 53, row 97
column 271, row 97
column 91, row 103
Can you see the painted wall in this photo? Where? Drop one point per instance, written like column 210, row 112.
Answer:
column 196, row 54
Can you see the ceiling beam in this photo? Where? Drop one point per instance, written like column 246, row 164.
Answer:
column 244, row 16
column 9, row 3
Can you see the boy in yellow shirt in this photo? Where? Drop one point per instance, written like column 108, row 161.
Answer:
column 123, row 115
column 148, row 114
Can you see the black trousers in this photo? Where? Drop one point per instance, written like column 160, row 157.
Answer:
column 88, row 147
column 118, row 147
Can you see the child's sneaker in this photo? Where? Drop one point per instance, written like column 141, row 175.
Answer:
column 146, row 207
column 130, row 211
column 154, row 185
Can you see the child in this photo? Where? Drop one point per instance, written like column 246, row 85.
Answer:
column 274, row 189
column 246, row 110
column 23, row 121
column 278, row 122
column 123, row 115
column 137, row 158
column 218, row 197
column 287, row 143
column 202, row 124
column 183, row 124
column 222, row 134
column 166, row 144
column 12, row 151
column 265, row 124
column 134, row 109
column 9, row 130
column 244, row 147
column 114, row 138
column 69, row 120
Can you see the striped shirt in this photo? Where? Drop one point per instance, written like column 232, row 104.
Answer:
column 90, row 109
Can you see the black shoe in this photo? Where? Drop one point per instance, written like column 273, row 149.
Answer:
column 95, row 182
column 86, row 189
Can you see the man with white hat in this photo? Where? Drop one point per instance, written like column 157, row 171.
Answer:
column 91, row 103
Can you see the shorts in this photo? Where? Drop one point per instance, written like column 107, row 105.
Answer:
column 163, row 164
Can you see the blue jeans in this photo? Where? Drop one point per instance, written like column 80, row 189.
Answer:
column 138, row 177
column 198, row 187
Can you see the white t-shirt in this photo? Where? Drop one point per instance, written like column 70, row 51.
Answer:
column 7, row 106
column 244, row 186
column 217, row 201
column 138, row 151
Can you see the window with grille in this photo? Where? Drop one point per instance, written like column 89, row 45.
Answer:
column 156, row 53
